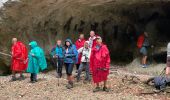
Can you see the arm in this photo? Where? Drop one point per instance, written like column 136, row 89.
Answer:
column 92, row 59
column 106, row 56
column 75, row 52
column 80, row 50
column 52, row 53
column 89, row 53
column 36, row 52
column 70, row 55
column 16, row 51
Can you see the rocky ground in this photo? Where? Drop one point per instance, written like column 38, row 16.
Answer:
column 122, row 88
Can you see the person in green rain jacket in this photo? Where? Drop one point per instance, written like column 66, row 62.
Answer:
column 36, row 62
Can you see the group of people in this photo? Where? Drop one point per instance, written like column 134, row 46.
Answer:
column 22, row 61
column 90, row 55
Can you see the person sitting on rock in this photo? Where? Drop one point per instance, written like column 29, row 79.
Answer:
column 168, row 60
column 70, row 58
column 19, row 59
column 36, row 61
column 143, row 45
column 100, row 63
column 85, row 59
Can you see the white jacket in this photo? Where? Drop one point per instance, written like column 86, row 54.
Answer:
column 168, row 50
column 85, row 54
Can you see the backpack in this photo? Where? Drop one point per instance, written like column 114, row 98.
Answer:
column 160, row 83
column 140, row 41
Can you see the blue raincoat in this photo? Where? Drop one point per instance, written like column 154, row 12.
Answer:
column 59, row 51
column 72, row 55
column 37, row 59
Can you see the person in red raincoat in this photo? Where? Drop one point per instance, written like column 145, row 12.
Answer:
column 92, row 42
column 100, row 63
column 19, row 58
column 79, row 44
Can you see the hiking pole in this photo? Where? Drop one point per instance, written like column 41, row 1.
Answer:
column 58, row 77
column 5, row 54
column 57, row 71
column 153, row 52
column 163, row 72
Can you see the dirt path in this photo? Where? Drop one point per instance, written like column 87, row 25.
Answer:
column 47, row 89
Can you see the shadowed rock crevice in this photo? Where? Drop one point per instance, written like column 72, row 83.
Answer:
column 119, row 22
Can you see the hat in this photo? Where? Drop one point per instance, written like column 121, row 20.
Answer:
column 98, row 37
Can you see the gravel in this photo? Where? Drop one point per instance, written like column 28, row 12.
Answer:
column 47, row 89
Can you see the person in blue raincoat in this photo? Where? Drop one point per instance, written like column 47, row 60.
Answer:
column 36, row 61
column 70, row 58
column 58, row 57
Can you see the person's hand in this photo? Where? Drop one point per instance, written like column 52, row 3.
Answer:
column 152, row 46
column 55, row 56
column 104, row 69
column 32, row 55
column 66, row 55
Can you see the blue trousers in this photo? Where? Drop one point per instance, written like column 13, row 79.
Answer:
column 82, row 65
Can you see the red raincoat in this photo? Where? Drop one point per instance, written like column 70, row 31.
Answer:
column 100, row 63
column 19, row 57
column 79, row 43
column 93, row 45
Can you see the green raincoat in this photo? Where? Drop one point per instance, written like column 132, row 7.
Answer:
column 37, row 59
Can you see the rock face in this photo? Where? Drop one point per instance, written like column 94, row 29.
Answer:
column 4, row 69
column 119, row 22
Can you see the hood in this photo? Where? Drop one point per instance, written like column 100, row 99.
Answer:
column 33, row 44
column 68, row 40
column 86, row 42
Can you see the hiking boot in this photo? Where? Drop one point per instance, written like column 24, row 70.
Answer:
column 144, row 66
column 78, row 80
column 13, row 79
column 156, row 91
column 75, row 76
column 69, row 85
column 58, row 76
column 106, row 89
column 97, row 89
column 86, row 81
column 22, row 77
column 33, row 81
